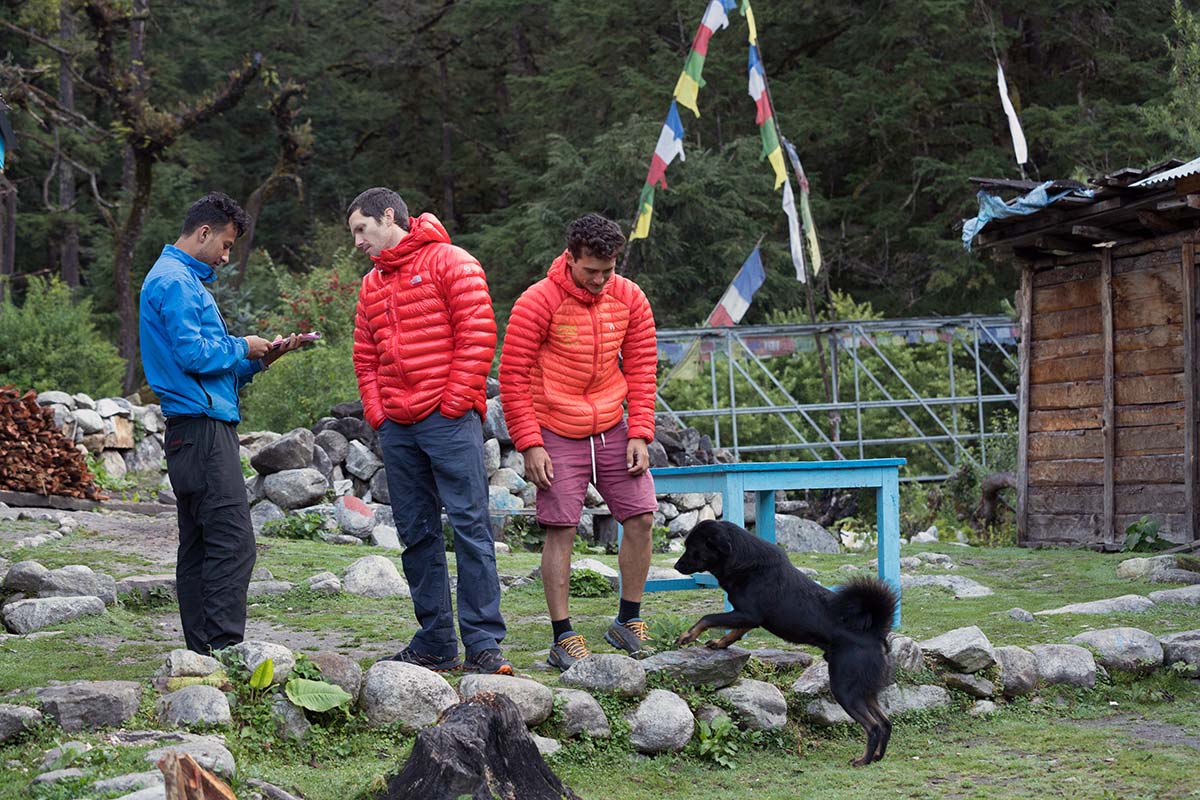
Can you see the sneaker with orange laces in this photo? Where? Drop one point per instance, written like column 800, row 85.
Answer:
column 568, row 648
column 627, row 636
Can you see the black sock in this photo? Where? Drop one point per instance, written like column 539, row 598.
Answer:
column 629, row 610
column 561, row 626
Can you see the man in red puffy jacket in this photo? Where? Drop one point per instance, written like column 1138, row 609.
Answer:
column 580, row 350
column 424, row 337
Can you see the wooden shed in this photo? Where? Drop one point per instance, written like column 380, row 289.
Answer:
column 1108, row 355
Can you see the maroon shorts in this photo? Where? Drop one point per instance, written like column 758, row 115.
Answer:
column 599, row 460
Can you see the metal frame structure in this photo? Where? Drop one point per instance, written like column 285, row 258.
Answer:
column 986, row 342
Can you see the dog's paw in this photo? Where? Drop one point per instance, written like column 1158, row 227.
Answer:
column 685, row 640
column 716, row 644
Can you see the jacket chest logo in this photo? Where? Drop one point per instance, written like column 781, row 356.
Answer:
column 568, row 333
column 415, row 280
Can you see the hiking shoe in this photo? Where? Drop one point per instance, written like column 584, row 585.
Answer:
column 430, row 662
column 627, row 636
column 488, row 662
column 569, row 648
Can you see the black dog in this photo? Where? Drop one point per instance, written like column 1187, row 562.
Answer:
column 850, row 625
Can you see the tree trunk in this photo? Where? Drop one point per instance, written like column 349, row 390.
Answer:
column 479, row 749
column 989, row 497
column 8, row 233
column 447, row 170
column 137, row 69
column 126, row 243
column 68, row 250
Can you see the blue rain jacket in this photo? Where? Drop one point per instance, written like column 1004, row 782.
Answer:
column 189, row 358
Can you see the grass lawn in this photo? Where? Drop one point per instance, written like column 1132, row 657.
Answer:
column 1126, row 739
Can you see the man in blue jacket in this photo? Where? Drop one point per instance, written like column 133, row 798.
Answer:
column 197, row 369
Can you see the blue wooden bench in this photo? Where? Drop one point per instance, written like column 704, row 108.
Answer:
column 764, row 479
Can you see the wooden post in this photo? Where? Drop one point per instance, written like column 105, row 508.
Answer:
column 1188, row 286
column 1108, row 534
column 1024, row 357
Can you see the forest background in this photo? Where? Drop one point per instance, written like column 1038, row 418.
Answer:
column 507, row 120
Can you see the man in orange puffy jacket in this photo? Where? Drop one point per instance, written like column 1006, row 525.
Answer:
column 424, row 337
column 579, row 349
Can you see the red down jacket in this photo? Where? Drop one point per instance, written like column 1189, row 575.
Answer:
column 424, row 332
column 559, row 366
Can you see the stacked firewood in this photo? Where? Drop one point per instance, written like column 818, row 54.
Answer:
column 34, row 454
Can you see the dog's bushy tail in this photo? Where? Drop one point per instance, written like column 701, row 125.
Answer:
column 866, row 605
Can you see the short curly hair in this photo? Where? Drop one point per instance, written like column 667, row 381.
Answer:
column 216, row 210
column 600, row 236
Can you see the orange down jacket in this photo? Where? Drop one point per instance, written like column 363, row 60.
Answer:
column 559, row 366
column 424, row 332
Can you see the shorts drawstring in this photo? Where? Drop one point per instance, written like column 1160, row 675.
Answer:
column 592, row 446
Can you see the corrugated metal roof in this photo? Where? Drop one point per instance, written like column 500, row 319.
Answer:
column 1190, row 168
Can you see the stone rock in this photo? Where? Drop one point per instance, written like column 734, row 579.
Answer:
column 88, row 421
column 255, row 653
column 360, row 461
column 254, row 490
column 334, row 444
column 290, row 722
column 208, row 751
column 268, row 588
column 688, row 501
column 325, row 583
column 55, row 398
column 118, row 435
column 607, row 672
column 491, row 456
column 533, row 700
column 24, row 576
column 545, row 746
column 339, row 670
column 144, row 587
column 960, row 586
column 897, row 700
column 354, row 517
column 342, row 488
column 380, row 492
column 107, row 407
column 90, row 704
column 1020, row 615
column 515, row 461
column 1124, row 649
column 337, row 538
column 500, row 499
column 669, row 511
column 799, row 535
column 597, row 566
column 26, row 616
column 18, row 719
column 662, row 723
column 757, row 705
column 57, row 776
column 1065, row 663
column 293, row 450
column 657, row 454
column 113, row 464
column 374, row 576
column 1182, row 647
column 982, row 708
column 63, row 755
column 386, row 536
column 709, row 713
column 1187, row 595
column 77, row 580
column 582, row 714
column 1018, row 670
column 183, row 663
column 683, row 522
column 910, row 562
column 130, row 783
column 396, row 692
column 83, row 401
column 783, row 659
column 322, row 464
column 146, row 456
column 494, row 426
column 699, row 666
column 971, row 684
column 295, row 488
column 814, row 681
column 904, row 653
column 263, row 512
column 930, row 534
column 1125, row 604
column 1144, row 568
column 194, row 705
column 963, row 649
column 508, row 479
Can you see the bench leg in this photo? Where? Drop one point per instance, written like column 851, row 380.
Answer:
column 764, row 515
column 887, row 511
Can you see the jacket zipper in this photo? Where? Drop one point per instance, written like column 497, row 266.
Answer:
column 595, row 363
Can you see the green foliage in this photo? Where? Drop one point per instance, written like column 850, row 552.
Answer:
column 300, row 388
column 263, row 675
column 51, row 343
column 316, row 695
column 247, row 470
column 720, row 741
column 589, row 583
column 1142, row 537
column 523, row 533
column 323, row 299
column 665, row 629
column 296, row 526
column 103, row 479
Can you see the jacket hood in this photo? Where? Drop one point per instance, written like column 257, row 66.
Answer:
column 560, row 274
column 423, row 230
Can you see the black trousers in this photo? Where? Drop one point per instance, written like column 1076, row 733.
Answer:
column 216, row 538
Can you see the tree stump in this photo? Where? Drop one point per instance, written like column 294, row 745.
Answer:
column 480, row 748
column 990, row 499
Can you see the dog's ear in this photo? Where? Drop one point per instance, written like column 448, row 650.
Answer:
column 720, row 542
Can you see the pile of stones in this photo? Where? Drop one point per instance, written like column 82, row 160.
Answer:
column 124, row 436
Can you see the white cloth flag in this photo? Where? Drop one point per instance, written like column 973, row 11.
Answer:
column 1014, row 124
column 789, row 208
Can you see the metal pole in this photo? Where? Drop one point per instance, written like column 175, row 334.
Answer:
column 732, row 396
column 857, row 395
column 979, row 399
column 953, row 393
column 712, row 375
